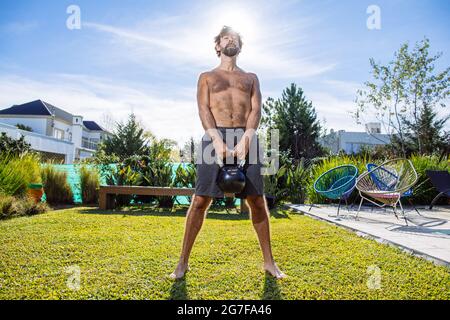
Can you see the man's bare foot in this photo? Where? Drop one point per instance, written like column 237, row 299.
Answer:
column 273, row 269
column 180, row 271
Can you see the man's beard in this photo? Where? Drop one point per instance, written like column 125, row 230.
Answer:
column 230, row 51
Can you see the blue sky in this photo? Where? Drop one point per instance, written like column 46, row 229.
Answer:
column 145, row 56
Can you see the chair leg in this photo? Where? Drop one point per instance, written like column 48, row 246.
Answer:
column 435, row 200
column 359, row 208
column 403, row 211
column 395, row 212
column 410, row 202
column 339, row 206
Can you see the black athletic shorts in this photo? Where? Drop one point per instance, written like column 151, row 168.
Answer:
column 208, row 169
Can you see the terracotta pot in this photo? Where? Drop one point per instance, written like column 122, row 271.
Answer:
column 35, row 191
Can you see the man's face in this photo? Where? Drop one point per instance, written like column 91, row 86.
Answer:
column 229, row 45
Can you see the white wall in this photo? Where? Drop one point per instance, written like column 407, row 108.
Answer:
column 77, row 130
column 64, row 127
column 38, row 125
column 40, row 142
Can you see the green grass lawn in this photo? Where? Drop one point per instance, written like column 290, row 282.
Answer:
column 129, row 255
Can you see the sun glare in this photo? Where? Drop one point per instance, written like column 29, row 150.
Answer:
column 238, row 18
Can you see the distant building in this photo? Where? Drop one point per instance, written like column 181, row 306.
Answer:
column 351, row 142
column 55, row 132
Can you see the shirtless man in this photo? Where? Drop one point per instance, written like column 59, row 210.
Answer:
column 228, row 99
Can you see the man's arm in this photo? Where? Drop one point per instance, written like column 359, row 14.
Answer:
column 255, row 114
column 206, row 117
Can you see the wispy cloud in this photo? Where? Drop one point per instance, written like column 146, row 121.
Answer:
column 91, row 97
column 186, row 41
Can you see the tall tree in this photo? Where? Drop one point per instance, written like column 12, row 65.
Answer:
column 128, row 139
column 426, row 134
column 401, row 90
column 296, row 120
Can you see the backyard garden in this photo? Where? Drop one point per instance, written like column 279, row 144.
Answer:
column 49, row 239
column 56, row 243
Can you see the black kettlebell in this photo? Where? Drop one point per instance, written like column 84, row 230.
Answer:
column 231, row 178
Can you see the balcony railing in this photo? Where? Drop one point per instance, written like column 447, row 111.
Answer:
column 89, row 144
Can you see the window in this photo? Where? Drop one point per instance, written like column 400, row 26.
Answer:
column 58, row 133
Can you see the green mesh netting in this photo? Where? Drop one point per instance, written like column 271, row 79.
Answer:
column 74, row 181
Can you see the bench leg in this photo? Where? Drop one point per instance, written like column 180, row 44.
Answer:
column 102, row 200
column 110, row 201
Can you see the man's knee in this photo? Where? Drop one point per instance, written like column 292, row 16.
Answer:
column 256, row 203
column 200, row 203
column 258, row 208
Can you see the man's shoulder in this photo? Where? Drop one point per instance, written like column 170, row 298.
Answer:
column 252, row 75
column 248, row 74
column 208, row 73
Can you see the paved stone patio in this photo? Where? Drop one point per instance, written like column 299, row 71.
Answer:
column 426, row 235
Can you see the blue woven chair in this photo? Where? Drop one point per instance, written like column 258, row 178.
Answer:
column 337, row 183
column 386, row 179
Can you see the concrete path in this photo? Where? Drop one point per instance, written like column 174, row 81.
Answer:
column 426, row 235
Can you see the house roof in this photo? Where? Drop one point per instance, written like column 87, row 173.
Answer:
column 36, row 107
column 58, row 112
column 42, row 108
column 92, row 125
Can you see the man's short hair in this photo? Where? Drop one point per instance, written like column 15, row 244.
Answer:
column 227, row 30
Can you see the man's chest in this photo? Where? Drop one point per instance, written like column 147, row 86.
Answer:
column 234, row 83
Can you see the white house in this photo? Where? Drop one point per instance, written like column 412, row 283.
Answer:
column 55, row 132
column 351, row 142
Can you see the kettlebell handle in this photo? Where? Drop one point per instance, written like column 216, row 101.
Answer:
column 220, row 162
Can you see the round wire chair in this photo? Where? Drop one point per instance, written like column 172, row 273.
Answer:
column 385, row 180
column 385, row 184
column 337, row 183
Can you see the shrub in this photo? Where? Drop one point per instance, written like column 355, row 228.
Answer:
column 296, row 179
column 56, row 187
column 161, row 176
column 20, row 206
column 105, row 163
column 89, row 184
column 17, row 171
column 185, row 176
column 24, row 127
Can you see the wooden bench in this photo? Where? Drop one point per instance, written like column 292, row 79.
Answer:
column 107, row 193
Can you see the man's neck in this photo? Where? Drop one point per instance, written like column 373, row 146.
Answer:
column 228, row 64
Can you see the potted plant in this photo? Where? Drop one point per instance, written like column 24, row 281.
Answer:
column 36, row 191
